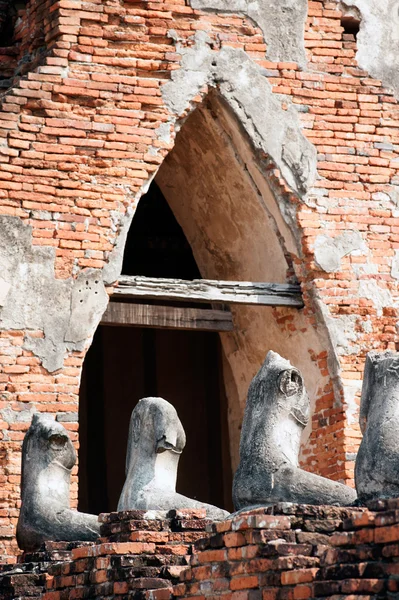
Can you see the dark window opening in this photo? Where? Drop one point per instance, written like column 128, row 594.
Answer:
column 10, row 31
column 351, row 25
column 156, row 245
column 125, row 364
column 9, row 11
column 7, row 31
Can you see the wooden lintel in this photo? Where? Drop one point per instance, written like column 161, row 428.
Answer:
column 166, row 317
column 202, row 290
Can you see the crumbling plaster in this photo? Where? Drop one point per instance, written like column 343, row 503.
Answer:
column 67, row 311
column 281, row 21
column 395, row 265
column 378, row 39
column 274, row 130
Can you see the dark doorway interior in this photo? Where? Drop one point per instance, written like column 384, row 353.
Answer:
column 125, row 364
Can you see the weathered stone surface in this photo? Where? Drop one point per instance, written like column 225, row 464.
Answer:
column 48, row 456
column 276, row 413
column 156, row 441
column 88, row 302
column 377, row 463
column 273, row 129
column 282, row 23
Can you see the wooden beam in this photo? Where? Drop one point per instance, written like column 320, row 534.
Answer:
column 202, row 290
column 166, row 317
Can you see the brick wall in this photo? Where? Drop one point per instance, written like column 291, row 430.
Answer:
column 299, row 552
column 136, row 555
column 80, row 136
column 286, row 552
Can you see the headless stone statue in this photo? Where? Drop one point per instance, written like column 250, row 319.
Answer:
column 276, row 413
column 156, row 441
column 48, row 456
column 377, row 462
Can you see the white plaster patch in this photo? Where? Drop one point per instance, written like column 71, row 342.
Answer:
column 342, row 332
column 395, row 265
column 394, row 195
column 89, row 299
column 367, row 326
column 281, row 21
column 329, row 252
column 351, row 389
column 365, row 269
column 164, row 133
column 274, row 131
column 194, row 73
column 120, row 224
column 380, row 297
column 37, row 300
column 4, row 289
column 378, row 39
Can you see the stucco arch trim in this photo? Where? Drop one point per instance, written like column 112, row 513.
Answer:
column 271, row 122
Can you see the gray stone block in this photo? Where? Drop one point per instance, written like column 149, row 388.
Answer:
column 48, row 457
column 156, row 441
column 276, row 413
column 377, row 463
